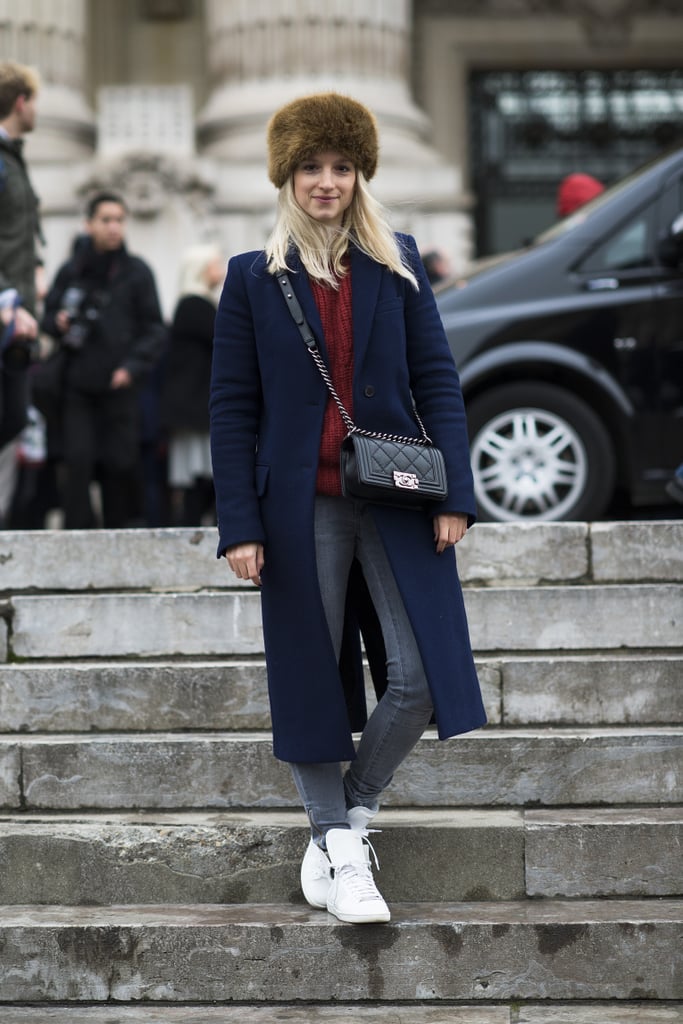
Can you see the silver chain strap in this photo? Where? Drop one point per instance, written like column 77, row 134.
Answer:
column 310, row 342
column 425, row 440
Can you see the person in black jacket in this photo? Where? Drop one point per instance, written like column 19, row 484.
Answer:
column 104, row 308
column 19, row 233
column 187, row 379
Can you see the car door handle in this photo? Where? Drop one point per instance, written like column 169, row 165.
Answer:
column 602, row 284
column 625, row 344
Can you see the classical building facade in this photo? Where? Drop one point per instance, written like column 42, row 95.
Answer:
column 482, row 104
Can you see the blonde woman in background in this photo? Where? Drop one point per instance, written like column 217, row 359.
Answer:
column 187, row 380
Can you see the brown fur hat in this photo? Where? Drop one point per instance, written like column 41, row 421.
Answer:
column 313, row 124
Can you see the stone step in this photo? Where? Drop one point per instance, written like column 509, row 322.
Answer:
column 255, row 857
column 387, row 1013
column 106, row 696
column 179, row 559
column 536, row 950
column 272, row 1013
column 602, row 689
column 546, row 618
column 491, row 767
column 607, row 852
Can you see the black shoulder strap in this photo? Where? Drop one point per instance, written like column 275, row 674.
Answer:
column 294, row 307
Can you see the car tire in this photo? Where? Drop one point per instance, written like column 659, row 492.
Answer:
column 539, row 453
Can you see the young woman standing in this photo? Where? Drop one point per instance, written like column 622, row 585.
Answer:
column 283, row 521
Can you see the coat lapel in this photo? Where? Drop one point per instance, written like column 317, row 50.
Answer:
column 366, row 277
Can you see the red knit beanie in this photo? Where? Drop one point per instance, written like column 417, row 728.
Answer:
column 575, row 190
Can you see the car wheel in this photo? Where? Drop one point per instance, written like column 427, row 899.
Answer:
column 539, row 453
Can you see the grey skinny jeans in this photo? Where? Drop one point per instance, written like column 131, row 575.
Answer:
column 345, row 529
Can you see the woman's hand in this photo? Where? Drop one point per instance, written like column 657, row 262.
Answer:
column 448, row 530
column 246, row 561
column 121, row 378
column 25, row 325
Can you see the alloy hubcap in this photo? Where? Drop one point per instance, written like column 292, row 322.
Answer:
column 528, row 464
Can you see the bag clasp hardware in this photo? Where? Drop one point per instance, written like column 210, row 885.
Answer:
column 407, row 481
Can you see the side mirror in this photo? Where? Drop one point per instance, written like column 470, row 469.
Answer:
column 671, row 245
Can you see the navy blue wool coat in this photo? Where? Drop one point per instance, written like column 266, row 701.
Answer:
column 267, row 404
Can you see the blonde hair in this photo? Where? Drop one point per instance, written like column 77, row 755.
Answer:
column 195, row 261
column 15, row 80
column 321, row 248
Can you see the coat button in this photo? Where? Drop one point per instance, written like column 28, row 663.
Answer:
column 369, row 391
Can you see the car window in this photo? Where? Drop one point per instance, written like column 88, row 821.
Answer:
column 628, row 247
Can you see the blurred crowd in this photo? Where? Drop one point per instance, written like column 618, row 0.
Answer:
column 118, row 430
column 118, row 427
column 104, row 406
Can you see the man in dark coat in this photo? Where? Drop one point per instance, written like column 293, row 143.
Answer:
column 19, row 229
column 104, row 308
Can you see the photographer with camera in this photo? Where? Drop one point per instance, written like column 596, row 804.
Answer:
column 19, row 232
column 104, row 310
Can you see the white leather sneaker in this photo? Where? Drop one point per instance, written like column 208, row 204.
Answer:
column 359, row 818
column 316, row 876
column 353, row 895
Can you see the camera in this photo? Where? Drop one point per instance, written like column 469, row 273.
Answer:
column 82, row 315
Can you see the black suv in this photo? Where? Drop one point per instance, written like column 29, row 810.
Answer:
column 571, row 356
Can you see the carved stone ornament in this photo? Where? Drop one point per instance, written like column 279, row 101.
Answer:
column 148, row 180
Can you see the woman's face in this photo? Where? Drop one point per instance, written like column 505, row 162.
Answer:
column 324, row 185
column 214, row 271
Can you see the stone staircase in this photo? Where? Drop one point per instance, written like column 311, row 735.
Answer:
column 150, row 844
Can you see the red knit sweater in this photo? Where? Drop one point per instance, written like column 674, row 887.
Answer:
column 334, row 307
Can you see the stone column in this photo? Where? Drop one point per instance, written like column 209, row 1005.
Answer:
column 50, row 35
column 262, row 53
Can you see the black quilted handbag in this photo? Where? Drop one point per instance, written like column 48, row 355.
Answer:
column 400, row 472
column 387, row 469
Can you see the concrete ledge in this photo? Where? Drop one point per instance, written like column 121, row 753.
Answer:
column 125, row 559
column 254, row 857
column 156, row 696
column 502, row 951
column 220, row 624
column 274, row 1013
column 626, row 552
column 386, row 1013
column 10, row 775
column 251, row 858
column 595, row 690
column 624, row 1013
column 178, row 559
column 575, row 618
column 545, row 768
column 144, row 625
column 604, row 853
column 614, row 689
column 527, row 553
column 509, row 768
column 113, row 696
